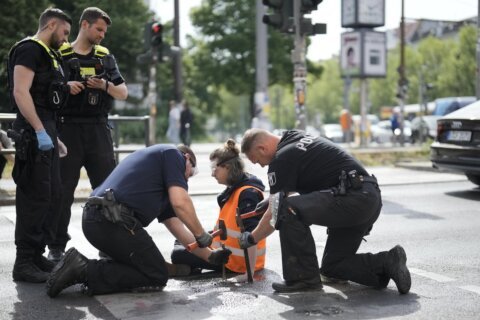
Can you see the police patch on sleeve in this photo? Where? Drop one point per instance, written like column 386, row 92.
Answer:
column 272, row 179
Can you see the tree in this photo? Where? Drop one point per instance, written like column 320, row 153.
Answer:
column 223, row 55
column 19, row 19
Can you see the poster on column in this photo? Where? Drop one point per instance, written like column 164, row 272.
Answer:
column 363, row 54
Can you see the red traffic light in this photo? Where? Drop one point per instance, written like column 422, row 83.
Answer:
column 157, row 28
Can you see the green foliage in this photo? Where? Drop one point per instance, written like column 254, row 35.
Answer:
column 19, row 19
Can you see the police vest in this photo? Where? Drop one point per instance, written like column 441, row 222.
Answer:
column 49, row 89
column 89, row 102
column 236, row 262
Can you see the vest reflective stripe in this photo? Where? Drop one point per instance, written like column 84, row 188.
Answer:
column 238, row 252
column 49, row 51
column 236, row 262
column 66, row 49
column 100, row 51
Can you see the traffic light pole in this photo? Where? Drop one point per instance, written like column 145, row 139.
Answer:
column 299, row 68
column 152, row 95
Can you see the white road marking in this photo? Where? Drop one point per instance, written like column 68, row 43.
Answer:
column 430, row 275
column 475, row 289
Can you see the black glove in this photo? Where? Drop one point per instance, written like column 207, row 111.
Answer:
column 219, row 256
column 262, row 206
column 204, row 240
column 246, row 240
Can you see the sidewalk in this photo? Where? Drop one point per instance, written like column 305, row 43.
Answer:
column 204, row 184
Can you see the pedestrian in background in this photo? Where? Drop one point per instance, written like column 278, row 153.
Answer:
column 346, row 124
column 5, row 143
column 173, row 130
column 314, row 181
column 38, row 90
column 186, row 122
column 243, row 192
column 149, row 184
column 84, row 124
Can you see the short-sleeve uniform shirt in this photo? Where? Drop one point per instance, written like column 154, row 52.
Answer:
column 142, row 179
column 304, row 164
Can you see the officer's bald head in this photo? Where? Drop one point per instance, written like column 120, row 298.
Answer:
column 252, row 137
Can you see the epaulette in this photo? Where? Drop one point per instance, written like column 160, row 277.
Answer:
column 100, row 51
column 66, row 49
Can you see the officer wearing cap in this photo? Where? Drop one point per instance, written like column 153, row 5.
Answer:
column 37, row 90
column 95, row 81
column 314, row 181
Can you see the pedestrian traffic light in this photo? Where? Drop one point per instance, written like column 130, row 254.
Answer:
column 282, row 17
column 156, row 32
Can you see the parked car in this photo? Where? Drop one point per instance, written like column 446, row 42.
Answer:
column 425, row 127
column 444, row 106
column 457, row 146
column 333, row 132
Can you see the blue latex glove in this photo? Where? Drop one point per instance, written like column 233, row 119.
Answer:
column 44, row 141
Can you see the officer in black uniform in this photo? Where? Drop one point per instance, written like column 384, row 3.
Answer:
column 95, row 81
column 313, row 181
column 37, row 90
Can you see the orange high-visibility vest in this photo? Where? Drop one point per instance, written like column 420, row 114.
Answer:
column 236, row 262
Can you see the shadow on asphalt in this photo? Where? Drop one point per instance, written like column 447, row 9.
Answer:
column 472, row 194
column 348, row 301
column 33, row 303
column 390, row 208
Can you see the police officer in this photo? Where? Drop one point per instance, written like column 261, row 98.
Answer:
column 313, row 181
column 149, row 184
column 38, row 90
column 95, row 81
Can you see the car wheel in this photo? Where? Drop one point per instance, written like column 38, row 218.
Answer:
column 474, row 178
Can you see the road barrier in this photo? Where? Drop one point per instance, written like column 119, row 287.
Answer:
column 117, row 148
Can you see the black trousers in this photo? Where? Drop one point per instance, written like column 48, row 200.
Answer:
column 180, row 255
column 136, row 263
column 348, row 219
column 89, row 145
column 38, row 189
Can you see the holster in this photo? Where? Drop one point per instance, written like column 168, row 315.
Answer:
column 25, row 153
column 114, row 211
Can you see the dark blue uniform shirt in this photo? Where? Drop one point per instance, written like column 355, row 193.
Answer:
column 142, row 179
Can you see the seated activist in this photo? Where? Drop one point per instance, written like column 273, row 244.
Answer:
column 244, row 191
column 150, row 184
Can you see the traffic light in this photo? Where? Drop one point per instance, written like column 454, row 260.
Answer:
column 156, row 38
column 306, row 25
column 282, row 17
column 307, row 6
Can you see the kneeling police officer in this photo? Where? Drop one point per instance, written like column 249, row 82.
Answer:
column 313, row 181
column 149, row 184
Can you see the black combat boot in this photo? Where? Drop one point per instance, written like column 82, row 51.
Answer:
column 43, row 263
column 298, row 285
column 25, row 270
column 72, row 269
column 396, row 269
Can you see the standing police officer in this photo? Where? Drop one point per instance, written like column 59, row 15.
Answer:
column 38, row 90
column 95, row 81
column 326, row 186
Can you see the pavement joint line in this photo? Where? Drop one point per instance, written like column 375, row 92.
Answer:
column 431, row 275
column 471, row 288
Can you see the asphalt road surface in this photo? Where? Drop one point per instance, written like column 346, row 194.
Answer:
column 435, row 216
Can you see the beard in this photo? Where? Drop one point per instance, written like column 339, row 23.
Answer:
column 55, row 42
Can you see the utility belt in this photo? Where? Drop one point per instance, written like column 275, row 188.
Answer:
column 351, row 181
column 113, row 211
column 79, row 119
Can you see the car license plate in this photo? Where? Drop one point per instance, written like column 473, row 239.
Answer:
column 459, row 135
